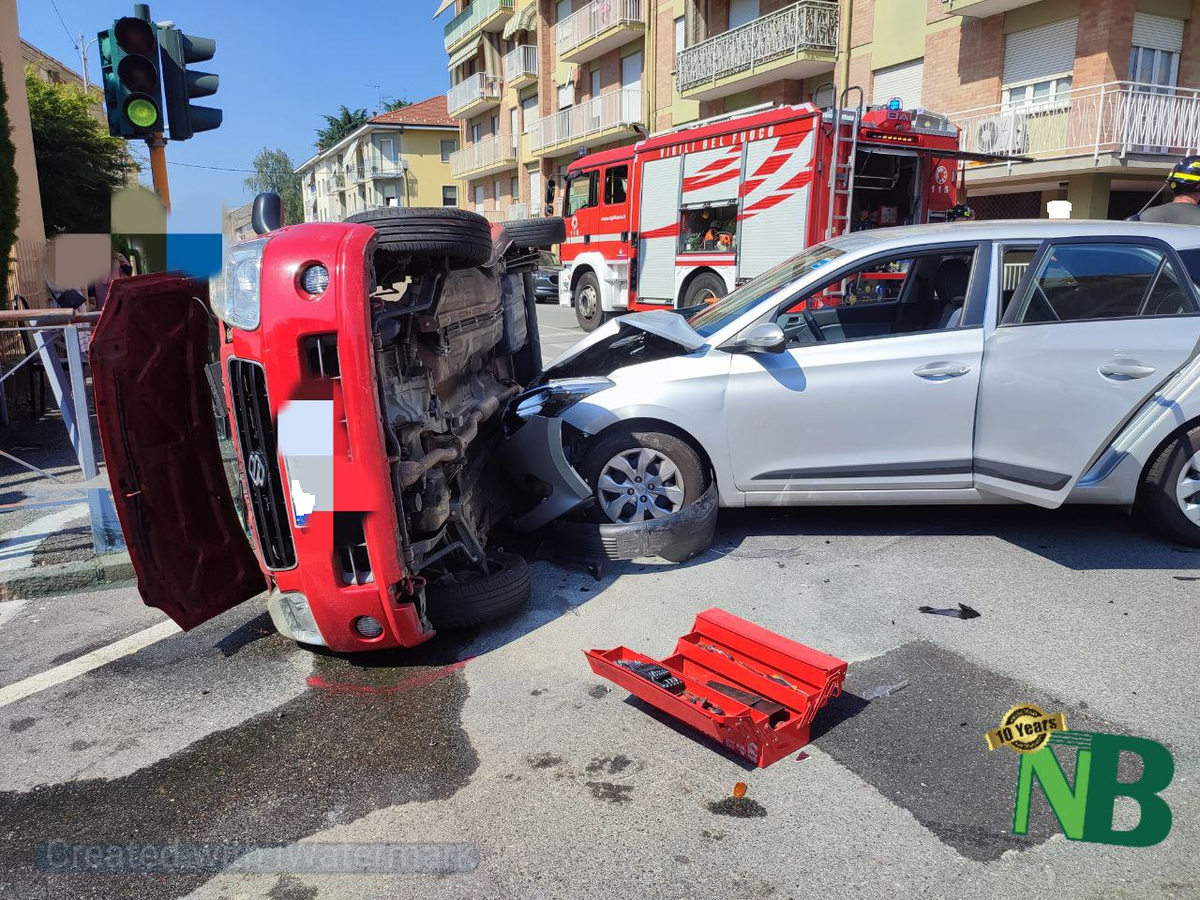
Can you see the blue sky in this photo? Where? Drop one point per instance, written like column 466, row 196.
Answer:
column 282, row 65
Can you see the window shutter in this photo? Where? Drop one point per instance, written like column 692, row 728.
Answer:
column 903, row 81
column 1158, row 32
column 1040, row 52
column 742, row 12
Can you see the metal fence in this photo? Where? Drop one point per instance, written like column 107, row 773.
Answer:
column 578, row 123
column 593, row 20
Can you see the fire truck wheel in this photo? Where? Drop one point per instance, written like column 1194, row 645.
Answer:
column 588, row 311
column 706, row 288
column 543, row 233
column 424, row 232
column 639, row 476
column 469, row 597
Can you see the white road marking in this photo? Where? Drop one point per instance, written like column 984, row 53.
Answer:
column 86, row 663
column 9, row 608
column 16, row 550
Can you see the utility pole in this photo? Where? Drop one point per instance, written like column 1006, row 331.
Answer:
column 157, row 145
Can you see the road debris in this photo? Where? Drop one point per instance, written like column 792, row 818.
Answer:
column 885, row 690
column 963, row 612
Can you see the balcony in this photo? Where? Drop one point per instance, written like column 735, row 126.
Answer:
column 605, row 118
column 981, row 9
column 798, row 41
column 486, row 157
column 1119, row 125
column 521, row 67
column 517, row 212
column 473, row 95
column 481, row 15
column 600, row 26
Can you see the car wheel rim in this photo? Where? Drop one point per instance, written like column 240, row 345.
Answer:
column 639, row 484
column 587, row 302
column 1187, row 489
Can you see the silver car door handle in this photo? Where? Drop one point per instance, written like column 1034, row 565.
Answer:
column 1125, row 371
column 941, row 370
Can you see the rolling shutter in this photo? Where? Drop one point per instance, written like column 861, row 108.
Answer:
column 775, row 207
column 711, row 176
column 742, row 12
column 1040, row 52
column 660, row 213
column 1157, row 32
column 903, row 81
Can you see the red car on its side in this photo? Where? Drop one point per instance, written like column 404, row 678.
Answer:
column 361, row 366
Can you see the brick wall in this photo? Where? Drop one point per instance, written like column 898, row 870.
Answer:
column 862, row 27
column 1105, row 36
column 963, row 66
column 664, row 56
column 1189, row 60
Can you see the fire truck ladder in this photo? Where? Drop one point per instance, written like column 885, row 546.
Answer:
column 836, row 167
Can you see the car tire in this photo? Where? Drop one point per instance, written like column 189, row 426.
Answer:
column 536, row 233
column 706, row 288
column 471, row 598
column 463, row 237
column 642, row 451
column 1163, row 495
column 588, row 311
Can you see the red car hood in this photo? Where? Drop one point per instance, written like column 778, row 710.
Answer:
column 159, row 433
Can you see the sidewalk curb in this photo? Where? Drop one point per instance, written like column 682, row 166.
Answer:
column 107, row 570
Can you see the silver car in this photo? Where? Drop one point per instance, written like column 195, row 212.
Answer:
column 1033, row 361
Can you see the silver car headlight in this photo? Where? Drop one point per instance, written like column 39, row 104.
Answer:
column 238, row 300
column 551, row 399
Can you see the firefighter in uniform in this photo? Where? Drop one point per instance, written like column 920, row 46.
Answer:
column 1184, row 180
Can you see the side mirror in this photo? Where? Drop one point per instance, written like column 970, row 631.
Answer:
column 550, row 188
column 765, row 337
column 267, row 214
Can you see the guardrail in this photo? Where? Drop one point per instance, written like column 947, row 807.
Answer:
column 496, row 150
column 472, row 89
column 809, row 25
column 56, row 339
column 521, row 62
column 594, row 19
column 1119, row 117
column 460, row 27
column 573, row 125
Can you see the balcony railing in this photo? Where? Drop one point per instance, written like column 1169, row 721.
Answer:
column 811, row 25
column 518, row 211
column 593, row 20
column 480, row 86
column 567, row 127
column 1118, row 118
column 491, row 153
column 472, row 18
column 521, row 63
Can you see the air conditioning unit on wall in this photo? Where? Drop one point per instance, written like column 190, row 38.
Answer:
column 1003, row 133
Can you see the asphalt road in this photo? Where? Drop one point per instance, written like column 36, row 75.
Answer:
column 548, row 782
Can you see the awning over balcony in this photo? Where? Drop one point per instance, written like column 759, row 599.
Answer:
column 442, row 7
column 461, row 55
column 525, row 20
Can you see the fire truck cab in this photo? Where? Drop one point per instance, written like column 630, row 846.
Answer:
column 683, row 217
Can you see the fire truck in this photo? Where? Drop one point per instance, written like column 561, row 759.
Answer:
column 685, row 216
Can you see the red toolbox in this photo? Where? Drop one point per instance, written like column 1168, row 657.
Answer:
column 745, row 687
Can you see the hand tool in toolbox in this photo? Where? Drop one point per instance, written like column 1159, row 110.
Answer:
column 767, row 688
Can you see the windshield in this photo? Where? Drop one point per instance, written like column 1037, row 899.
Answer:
column 721, row 313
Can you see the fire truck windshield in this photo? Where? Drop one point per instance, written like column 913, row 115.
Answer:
column 709, row 321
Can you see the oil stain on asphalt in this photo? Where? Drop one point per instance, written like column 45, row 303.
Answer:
column 366, row 744
column 923, row 748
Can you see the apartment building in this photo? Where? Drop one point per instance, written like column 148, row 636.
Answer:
column 536, row 83
column 1102, row 96
column 399, row 158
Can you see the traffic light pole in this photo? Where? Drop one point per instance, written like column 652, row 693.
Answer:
column 158, row 168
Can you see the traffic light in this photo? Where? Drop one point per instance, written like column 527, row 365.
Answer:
column 180, row 85
column 129, row 60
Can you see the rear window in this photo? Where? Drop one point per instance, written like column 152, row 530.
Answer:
column 1191, row 262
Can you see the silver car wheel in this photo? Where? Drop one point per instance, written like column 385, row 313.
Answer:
column 587, row 302
column 1187, row 489
column 639, row 484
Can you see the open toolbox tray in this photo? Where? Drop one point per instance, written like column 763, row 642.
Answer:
column 737, row 654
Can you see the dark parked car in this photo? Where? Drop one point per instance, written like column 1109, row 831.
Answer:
column 545, row 279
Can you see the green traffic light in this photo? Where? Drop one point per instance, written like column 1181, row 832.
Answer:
column 141, row 112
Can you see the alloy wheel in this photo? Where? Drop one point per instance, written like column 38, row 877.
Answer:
column 639, row 484
column 1187, row 489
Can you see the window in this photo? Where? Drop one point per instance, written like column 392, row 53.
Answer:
column 906, row 294
column 595, row 80
column 1080, row 282
column 1015, row 262
column 581, row 192
column 1148, row 65
column 449, row 195
column 616, row 183
column 742, row 12
column 680, row 34
column 566, row 95
column 495, row 123
column 476, row 133
column 1191, row 262
column 529, row 111
column 448, row 147
column 708, row 227
column 496, row 193
column 1049, row 90
column 564, row 10
column 514, row 188
column 905, row 81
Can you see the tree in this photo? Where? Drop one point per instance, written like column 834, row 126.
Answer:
column 273, row 171
column 393, row 105
column 78, row 164
column 8, row 193
column 345, row 122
